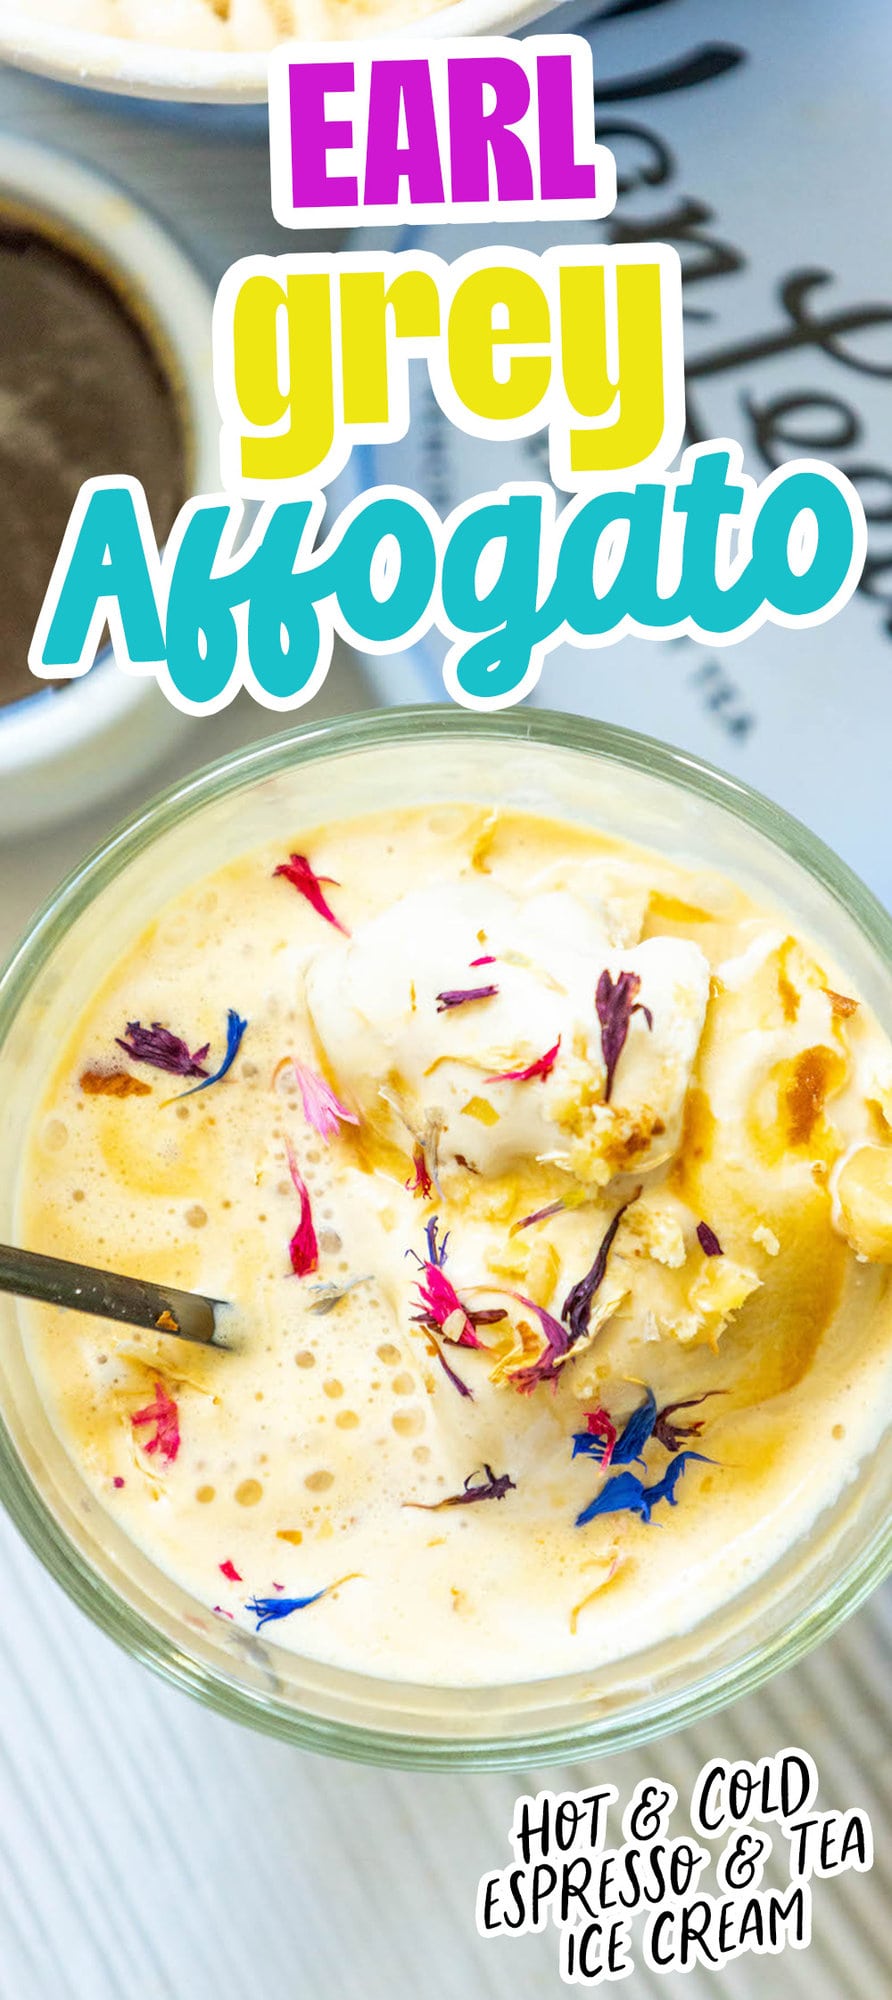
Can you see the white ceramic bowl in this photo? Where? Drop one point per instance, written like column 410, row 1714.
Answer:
column 208, row 76
column 60, row 750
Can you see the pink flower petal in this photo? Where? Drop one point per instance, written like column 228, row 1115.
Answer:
column 163, row 1413
column 443, row 1306
column 303, row 878
column 322, row 1109
column 420, row 1181
column 599, row 1424
column 543, row 1066
column 303, row 1249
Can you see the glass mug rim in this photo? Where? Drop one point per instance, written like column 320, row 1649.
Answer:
column 20, row 1495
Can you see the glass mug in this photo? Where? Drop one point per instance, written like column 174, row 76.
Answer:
column 570, row 768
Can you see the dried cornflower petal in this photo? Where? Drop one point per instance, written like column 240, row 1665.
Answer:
column 156, row 1045
column 626, row 1493
column 303, row 1249
column 547, row 1365
column 164, row 1414
column 644, row 1423
column 322, row 1109
column 459, row 996
column 235, row 1028
column 456, row 1380
column 327, row 1296
column 636, row 1431
column 538, row 1215
column 708, row 1240
column 426, row 1143
column 436, row 1251
column 597, row 1440
column 420, row 1181
column 304, row 879
column 543, row 1066
column 616, row 1002
column 443, row 1310
column 670, row 1435
column 577, row 1306
column 492, row 1486
column 268, row 1609
column 629, row 1443
column 442, row 1307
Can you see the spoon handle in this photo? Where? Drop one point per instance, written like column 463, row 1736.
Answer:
column 109, row 1295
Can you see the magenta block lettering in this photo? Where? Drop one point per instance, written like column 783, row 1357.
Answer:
column 313, row 136
column 563, row 177
column 405, row 86
column 476, row 131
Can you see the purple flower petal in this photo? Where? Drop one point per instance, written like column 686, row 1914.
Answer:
column 436, row 1251
column 670, row 1435
column 493, row 1486
column 616, row 1001
column 538, row 1215
column 459, row 996
column 577, row 1306
column 156, row 1045
column 546, row 1366
column 708, row 1240
column 455, row 1379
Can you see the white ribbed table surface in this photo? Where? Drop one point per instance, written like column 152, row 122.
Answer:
column 150, row 1850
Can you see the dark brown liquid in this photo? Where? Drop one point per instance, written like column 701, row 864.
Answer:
column 83, row 392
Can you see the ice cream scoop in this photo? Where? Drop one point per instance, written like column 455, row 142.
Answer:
column 510, row 1026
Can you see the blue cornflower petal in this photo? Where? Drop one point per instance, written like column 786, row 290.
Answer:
column 665, row 1487
column 266, row 1608
column 634, row 1435
column 626, row 1493
column 630, row 1442
column 235, row 1028
column 436, row 1251
column 585, row 1445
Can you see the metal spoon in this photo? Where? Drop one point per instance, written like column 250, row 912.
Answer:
column 109, row 1295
